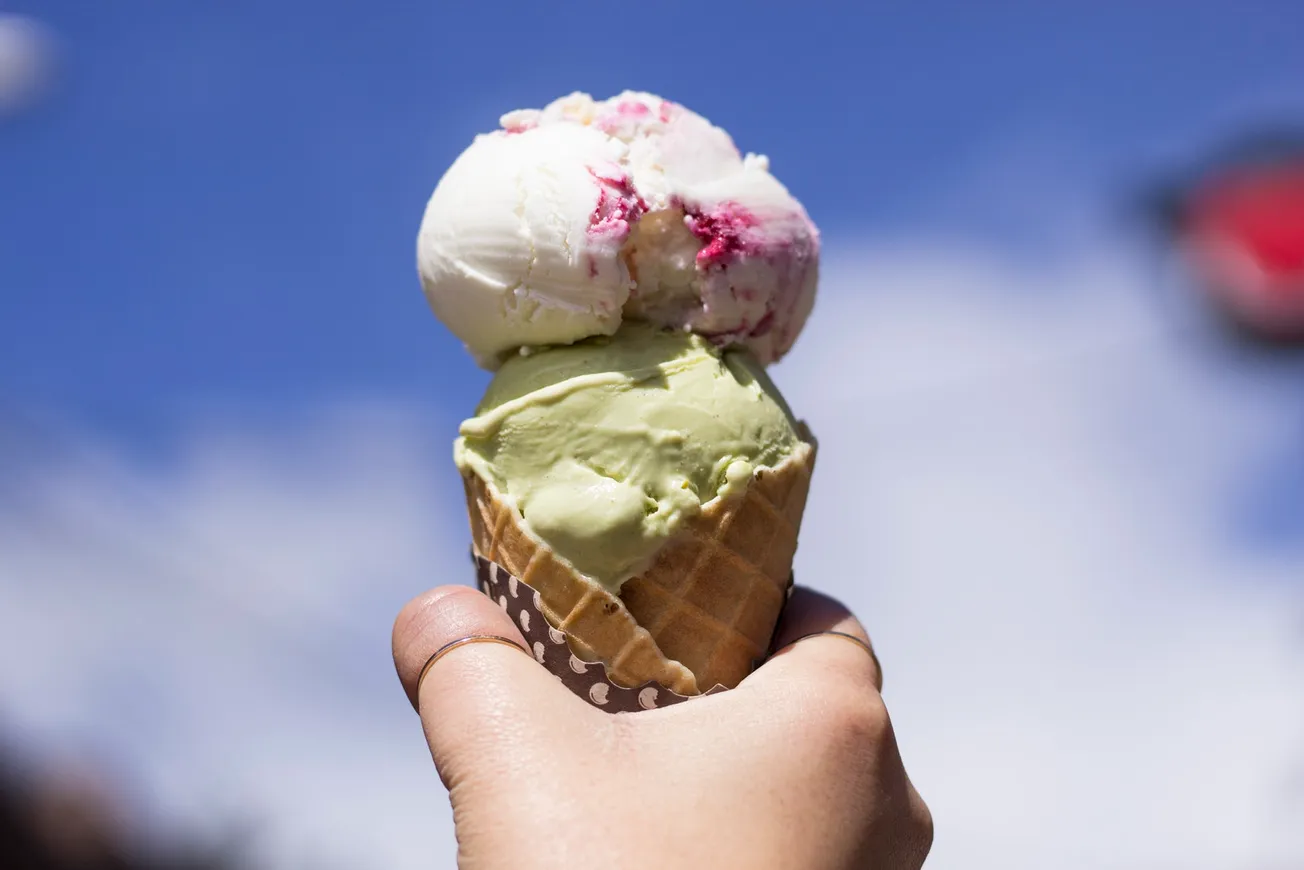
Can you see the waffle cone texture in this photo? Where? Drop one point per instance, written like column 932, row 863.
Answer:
column 703, row 612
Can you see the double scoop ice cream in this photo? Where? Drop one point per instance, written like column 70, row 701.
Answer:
column 628, row 275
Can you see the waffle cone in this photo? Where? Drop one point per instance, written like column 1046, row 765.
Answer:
column 704, row 611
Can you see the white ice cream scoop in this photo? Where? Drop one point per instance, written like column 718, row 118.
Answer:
column 574, row 217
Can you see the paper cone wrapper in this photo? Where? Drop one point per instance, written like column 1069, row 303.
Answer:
column 699, row 619
column 553, row 649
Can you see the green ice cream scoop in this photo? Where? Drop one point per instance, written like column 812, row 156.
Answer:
column 608, row 446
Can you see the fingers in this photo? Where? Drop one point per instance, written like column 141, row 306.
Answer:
column 475, row 693
column 809, row 611
column 803, row 648
column 822, row 691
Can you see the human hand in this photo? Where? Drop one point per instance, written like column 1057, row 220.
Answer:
column 796, row 767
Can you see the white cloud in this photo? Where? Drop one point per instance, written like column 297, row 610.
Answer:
column 221, row 625
column 1025, row 488
column 26, row 62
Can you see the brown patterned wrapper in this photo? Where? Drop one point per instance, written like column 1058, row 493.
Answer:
column 587, row 679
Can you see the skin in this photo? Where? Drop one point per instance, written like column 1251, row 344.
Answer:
column 797, row 767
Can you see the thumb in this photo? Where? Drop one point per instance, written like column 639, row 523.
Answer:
column 478, row 700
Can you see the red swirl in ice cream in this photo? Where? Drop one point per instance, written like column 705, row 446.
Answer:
column 577, row 216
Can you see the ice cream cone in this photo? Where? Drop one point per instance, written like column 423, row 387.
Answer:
column 705, row 610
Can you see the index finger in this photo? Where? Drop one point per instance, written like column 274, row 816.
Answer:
column 813, row 636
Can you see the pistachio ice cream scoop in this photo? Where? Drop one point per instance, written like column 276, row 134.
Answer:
column 607, row 446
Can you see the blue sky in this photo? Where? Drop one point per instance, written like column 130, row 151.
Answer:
column 218, row 203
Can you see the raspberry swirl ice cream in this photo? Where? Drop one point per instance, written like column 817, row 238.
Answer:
column 571, row 219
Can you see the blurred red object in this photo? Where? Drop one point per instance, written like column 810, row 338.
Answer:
column 1241, row 225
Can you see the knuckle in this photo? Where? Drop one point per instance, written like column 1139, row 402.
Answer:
column 859, row 717
column 858, row 746
column 923, row 819
column 856, row 732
